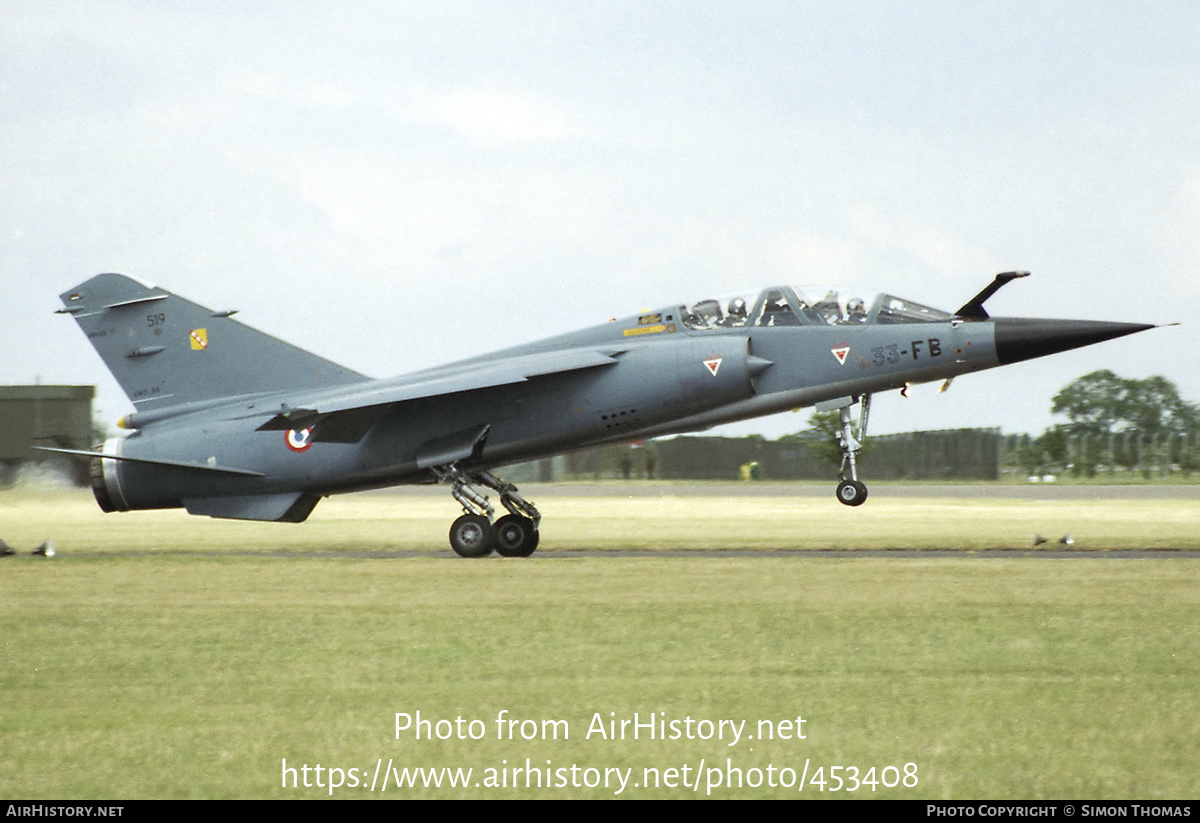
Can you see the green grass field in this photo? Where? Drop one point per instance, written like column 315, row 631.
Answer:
column 659, row 516
column 130, row 670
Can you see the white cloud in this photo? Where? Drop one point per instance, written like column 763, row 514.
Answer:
column 389, row 209
column 1180, row 233
column 493, row 115
column 275, row 86
column 935, row 247
column 809, row 257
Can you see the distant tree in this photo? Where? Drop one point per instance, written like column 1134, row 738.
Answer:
column 1042, row 454
column 1103, row 403
column 823, row 437
column 1139, row 422
column 1055, row 445
column 1153, row 407
column 1093, row 404
column 1026, row 455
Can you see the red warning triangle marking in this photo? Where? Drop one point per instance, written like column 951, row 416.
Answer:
column 840, row 353
column 713, row 364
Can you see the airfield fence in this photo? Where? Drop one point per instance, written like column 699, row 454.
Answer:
column 961, row 454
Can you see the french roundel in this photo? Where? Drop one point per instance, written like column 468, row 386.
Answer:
column 299, row 440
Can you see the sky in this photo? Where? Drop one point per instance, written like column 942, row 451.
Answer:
column 395, row 185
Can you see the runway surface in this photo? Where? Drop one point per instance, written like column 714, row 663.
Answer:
column 963, row 491
column 618, row 554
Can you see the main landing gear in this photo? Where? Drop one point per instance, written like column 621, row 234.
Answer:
column 477, row 532
column 851, row 491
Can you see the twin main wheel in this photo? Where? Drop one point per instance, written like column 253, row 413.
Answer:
column 512, row 536
column 516, row 536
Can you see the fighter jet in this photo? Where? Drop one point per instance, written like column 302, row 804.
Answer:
column 230, row 422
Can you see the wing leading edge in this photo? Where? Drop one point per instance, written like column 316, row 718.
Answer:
column 364, row 404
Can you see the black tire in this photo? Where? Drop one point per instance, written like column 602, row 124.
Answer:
column 851, row 493
column 516, row 536
column 472, row 536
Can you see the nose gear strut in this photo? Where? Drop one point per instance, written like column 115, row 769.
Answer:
column 851, row 491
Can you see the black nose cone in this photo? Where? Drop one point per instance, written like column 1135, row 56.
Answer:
column 1019, row 338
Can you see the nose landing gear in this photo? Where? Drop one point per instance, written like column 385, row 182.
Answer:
column 850, row 491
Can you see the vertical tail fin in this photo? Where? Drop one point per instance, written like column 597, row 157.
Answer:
column 166, row 351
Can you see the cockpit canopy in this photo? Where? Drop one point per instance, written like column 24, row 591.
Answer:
column 788, row 306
